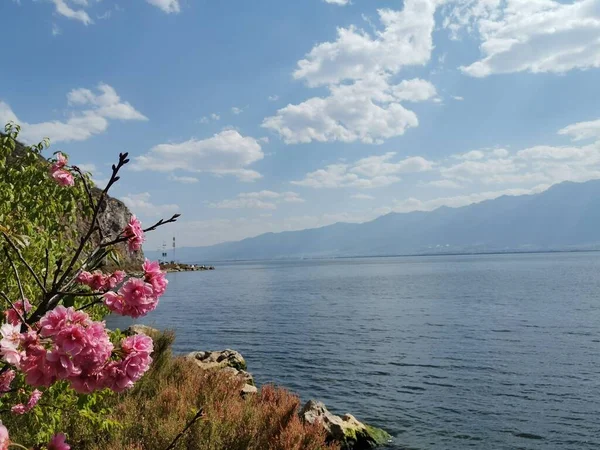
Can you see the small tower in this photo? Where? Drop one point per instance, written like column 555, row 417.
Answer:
column 174, row 259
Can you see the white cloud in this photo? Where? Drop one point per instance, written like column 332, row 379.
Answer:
column 225, row 153
column 141, row 205
column 473, row 155
column 529, row 35
column 258, row 200
column 338, row 2
column 215, row 116
column 82, row 123
column 415, row 90
column 405, row 40
column 368, row 110
column 582, row 130
column 184, row 180
column 237, row 110
column 87, row 167
column 168, row 6
column 203, row 119
column 273, row 98
column 413, row 204
column 56, row 31
column 108, row 104
column 63, row 9
column 458, row 98
column 358, row 69
column 362, row 197
column 540, row 164
column 444, row 184
column 370, row 172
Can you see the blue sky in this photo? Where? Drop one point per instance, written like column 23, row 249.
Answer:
column 249, row 117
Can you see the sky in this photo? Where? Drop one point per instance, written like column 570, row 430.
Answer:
column 249, row 117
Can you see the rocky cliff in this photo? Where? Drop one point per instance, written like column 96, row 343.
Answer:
column 113, row 218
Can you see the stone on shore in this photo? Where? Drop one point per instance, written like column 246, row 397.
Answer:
column 346, row 430
column 228, row 361
column 142, row 329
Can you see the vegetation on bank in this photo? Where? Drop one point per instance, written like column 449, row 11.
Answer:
column 68, row 382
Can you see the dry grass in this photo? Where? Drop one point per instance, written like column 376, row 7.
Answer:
column 172, row 392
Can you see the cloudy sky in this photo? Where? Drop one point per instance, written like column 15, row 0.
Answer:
column 255, row 116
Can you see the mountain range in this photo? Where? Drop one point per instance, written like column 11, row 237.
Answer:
column 565, row 216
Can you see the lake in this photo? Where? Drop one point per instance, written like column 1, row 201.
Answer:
column 444, row 352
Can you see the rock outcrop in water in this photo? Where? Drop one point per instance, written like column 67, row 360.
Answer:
column 347, row 430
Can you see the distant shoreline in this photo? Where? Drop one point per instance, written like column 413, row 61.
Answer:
column 412, row 255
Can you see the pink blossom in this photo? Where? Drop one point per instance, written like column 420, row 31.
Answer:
column 133, row 231
column 63, row 177
column 121, row 375
column 115, row 279
column 9, row 345
column 61, row 161
column 84, row 278
column 155, row 276
column 33, row 400
column 5, row 380
column 4, row 439
column 61, row 364
column 98, row 281
column 54, row 320
column 114, row 302
column 38, row 372
column 11, row 315
column 138, row 343
column 135, row 299
column 58, row 443
column 89, row 382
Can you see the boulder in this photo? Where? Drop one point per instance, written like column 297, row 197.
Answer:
column 141, row 329
column 346, row 430
column 219, row 360
column 228, row 361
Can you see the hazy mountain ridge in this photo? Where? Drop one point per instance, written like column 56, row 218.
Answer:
column 565, row 216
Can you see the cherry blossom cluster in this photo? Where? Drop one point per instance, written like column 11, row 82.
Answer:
column 98, row 281
column 68, row 345
column 135, row 234
column 138, row 296
column 57, row 171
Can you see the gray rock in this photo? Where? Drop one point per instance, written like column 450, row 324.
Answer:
column 218, row 360
column 346, row 430
column 141, row 329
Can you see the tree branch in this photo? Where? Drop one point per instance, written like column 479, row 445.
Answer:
column 187, row 427
column 18, row 252
column 113, row 179
column 152, row 228
column 14, row 268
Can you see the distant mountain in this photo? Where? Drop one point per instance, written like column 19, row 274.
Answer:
column 566, row 216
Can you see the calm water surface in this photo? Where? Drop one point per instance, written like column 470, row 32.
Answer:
column 495, row 352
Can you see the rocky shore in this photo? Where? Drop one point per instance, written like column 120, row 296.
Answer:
column 346, row 430
column 181, row 267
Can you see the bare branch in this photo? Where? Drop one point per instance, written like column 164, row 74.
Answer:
column 16, row 272
column 161, row 222
column 31, row 271
column 47, row 268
